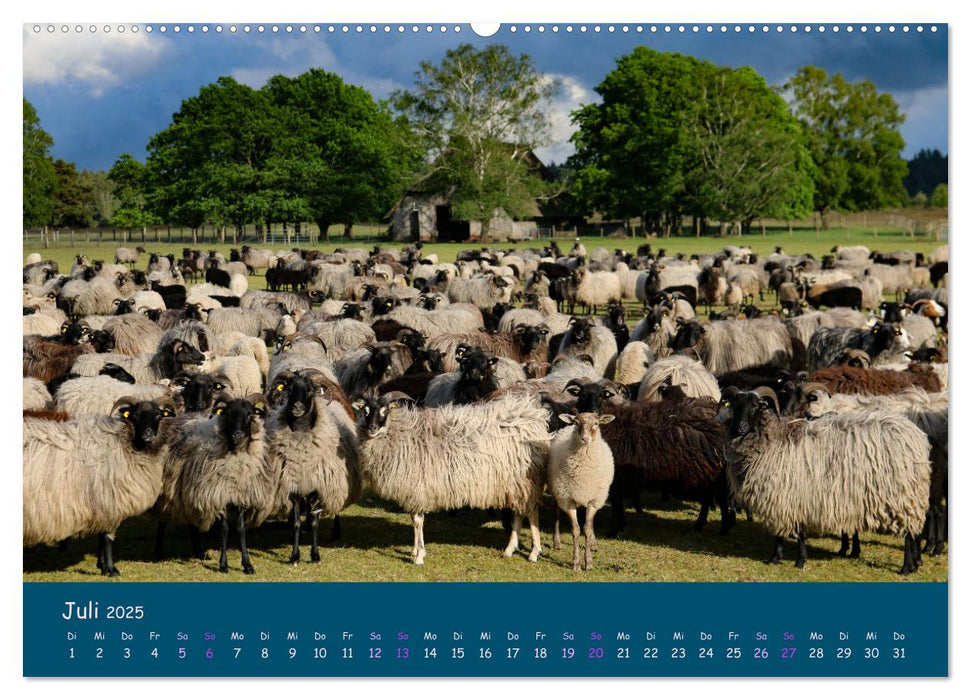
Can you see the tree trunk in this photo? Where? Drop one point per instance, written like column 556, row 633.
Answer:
column 348, row 230
column 195, row 236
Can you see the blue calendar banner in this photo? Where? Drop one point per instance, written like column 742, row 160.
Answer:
column 508, row 629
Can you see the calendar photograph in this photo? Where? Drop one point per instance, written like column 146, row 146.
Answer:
column 368, row 304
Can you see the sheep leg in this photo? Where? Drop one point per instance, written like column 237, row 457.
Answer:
column 940, row 530
column 534, row 534
column 335, row 533
column 727, row 513
column 62, row 545
column 589, row 538
column 617, row 518
column 295, row 518
column 314, row 518
column 418, row 551
column 556, row 528
column 777, row 551
column 908, row 567
column 517, row 523
column 575, row 530
column 195, row 540
column 702, row 515
column 224, row 537
column 801, row 559
column 108, row 561
column 159, row 540
column 241, row 526
column 844, row 544
column 855, row 551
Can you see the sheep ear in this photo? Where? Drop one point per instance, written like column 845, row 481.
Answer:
column 358, row 405
column 259, row 407
column 573, row 390
column 567, row 418
column 603, row 420
column 64, row 327
column 493, row 361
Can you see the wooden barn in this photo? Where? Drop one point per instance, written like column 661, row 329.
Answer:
column 423, row 214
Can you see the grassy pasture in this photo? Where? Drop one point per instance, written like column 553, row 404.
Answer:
column 659, row 545
column 801, row 241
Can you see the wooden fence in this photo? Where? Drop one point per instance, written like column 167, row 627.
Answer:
column 275, row 235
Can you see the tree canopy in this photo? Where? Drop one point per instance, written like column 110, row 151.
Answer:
column 477, row 115
column 309, row 148
column 925, row 171
column 853, row 135
column 674, row 135
column 40, row 176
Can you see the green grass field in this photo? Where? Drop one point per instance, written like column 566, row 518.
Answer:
column 659, row 545
column 801, row 241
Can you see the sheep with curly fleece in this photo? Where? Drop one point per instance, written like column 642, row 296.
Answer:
column 87, row 476
column 454, row 318
column 173, row 356
column 885, row 343
column 489, row 455
column 855, row 471
column 584, row 337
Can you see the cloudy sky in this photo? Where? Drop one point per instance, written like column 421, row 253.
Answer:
column 100, row 95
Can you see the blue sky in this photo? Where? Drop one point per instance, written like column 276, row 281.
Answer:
column 100, row 95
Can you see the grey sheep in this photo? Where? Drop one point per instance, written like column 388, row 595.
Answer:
column 489, row 455
column 87, row 476
column 312, row 444
column 678, row 370
column 483, row 292
column 728, row 346
column 883, row 342
column 633, row 362
column 454, row 318
column 340, row 337
column 96, row 396
column 36, row 395
column 847, row 472
column 128, row 256
column 134, row 334
column 586, row 338
column 259, row 323
column 171, row 358
column 581, row 470
column 222, row 466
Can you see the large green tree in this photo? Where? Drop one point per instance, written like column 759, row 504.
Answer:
column 853, row 135
column 673, row 135
column 339, row 150
column 477, row 114
column 72, row 198
column 40, row 177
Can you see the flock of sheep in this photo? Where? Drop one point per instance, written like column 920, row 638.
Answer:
column 147, row 393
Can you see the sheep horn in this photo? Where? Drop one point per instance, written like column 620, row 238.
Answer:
column 767, row 393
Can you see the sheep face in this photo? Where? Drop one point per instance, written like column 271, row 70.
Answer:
column 372, row 414
column 413, row 340
column 880, row 337
column 590, row 397
column 298, row 402
column 475, row 365
column 112, row 370
column 101, row 341
column 381, row 306
column 529, row 337
column 350, row 310
column 236, row 420
column 143, row 417
column 185, row 354
column 198, row 390
column 688, row 336
column 743, row 412
column 73, row 333
column 580, row 330
column 586, row 426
